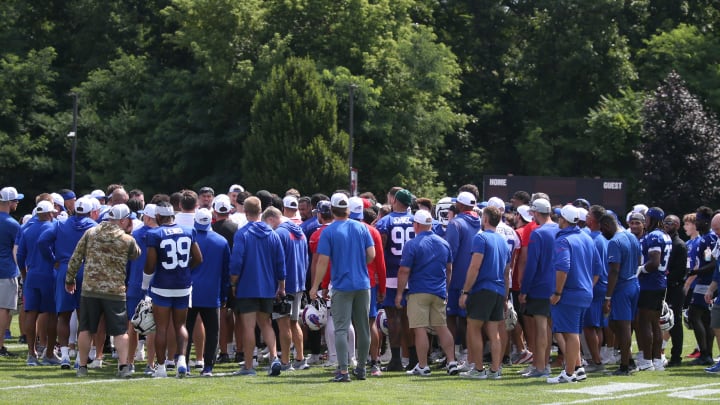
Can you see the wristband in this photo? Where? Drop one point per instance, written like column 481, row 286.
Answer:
column 146, row 281
column 608, row 298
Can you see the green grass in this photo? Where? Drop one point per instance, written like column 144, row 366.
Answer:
column 22, row 384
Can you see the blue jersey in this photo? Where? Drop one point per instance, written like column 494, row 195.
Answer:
column 427, row 255
column 601, row 244
column 40, row 271
column 459, row 234
column 136, row 268
column 345, row 243
column 496, row 256
column 624, row 249
column 172, row 244
column 210, row 279
column 655, row 241
column 397, row 227
column 575, row 254
column 539, row 277
column 258, row 260
column 692, row 248
column 295, row 246
column 9, row 228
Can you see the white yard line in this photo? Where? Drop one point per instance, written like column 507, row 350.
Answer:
column 636, row 394
column 17, row 387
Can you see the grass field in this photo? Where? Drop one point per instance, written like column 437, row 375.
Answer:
column 22, row 384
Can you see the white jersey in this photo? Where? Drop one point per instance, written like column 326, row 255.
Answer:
column 510, row 236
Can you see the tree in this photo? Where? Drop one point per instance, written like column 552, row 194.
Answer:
column 680, row 156
column 294, row 140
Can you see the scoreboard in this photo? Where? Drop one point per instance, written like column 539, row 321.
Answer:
column 610, row 193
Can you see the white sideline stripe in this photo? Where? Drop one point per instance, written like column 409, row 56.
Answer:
column 17, row 387
column 636, row 394
column 608, row 389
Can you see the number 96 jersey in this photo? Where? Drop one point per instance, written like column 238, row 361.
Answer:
column 397, row 227
column 172, row 244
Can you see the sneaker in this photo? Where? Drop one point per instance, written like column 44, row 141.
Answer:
column 82, row 371
column 65, row 364
column 149, row 370
column 32, row 361
column 524, row 357
column 200, row 365
column 50, row 361
column 562, row 378
column 622, row 371
column 595, row 367
column 22, row 339
column 702, row 361
column 275, row 368
column 8, row 335
column 360, row 373
column 645, row 365
column 714, row 369
column 695, row 354
column 160, row 372
column 395, row 365
column 535, row 373
column 246, row 372
column 5, row 353
column 330, row 364
column 453, row 368
column 340, row 377
column 421, row 371
column 658, row 365
column 287, row 367
column 124, row 372
column 375, row 370
column 494, row 375
column 170, row 364
column 182, row 371
column 206, row 372
column 223, row 358
column 527, row 370
column 301, row 364
column 465, row 367
column 674, row 363
column 314, row 359
column 97, row 363
column 475, row 374
column 239, row 357
column 580, row 374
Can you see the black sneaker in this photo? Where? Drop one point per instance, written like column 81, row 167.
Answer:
column 621, row 371
column 360, row 373
column 394, row 365
column 223, row 358
column 674, row 363
column 5, row 353
column 22, row 339
column 340, row 377
column 239, row 357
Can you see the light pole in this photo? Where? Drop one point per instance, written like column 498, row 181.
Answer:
column 73, row 135
column 351, row 131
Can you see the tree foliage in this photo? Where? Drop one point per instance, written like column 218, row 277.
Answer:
column 680, row 154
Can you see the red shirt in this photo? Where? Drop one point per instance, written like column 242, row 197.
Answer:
column 524, row 235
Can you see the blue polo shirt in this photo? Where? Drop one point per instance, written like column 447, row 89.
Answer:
column 496, row 256
column 9, row 228
column 459, row 234
column 601, row 244
column 345, row 242
column 427, row 256
column 539, row 277
column 624, row 248
column 575, row 254
column 210, row 279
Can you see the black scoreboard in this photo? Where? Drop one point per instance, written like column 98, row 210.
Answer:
column 610, row 193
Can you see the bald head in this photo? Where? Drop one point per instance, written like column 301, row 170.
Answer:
column 715, row 224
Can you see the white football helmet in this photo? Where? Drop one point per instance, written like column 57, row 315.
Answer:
column 381, row 322
column 441, row 210
column 686, row 319
column 667, row 320
column 143, row 320
column 511, row 318
column 314, row 316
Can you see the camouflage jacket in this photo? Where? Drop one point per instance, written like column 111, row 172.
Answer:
column 105, row 250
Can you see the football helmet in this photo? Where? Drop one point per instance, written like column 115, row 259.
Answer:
column 667, row 319
column 143, row 320
column 441, row 210
column 381, row 322
column 314, row 315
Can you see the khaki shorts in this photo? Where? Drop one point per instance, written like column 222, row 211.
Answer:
column 425, row 310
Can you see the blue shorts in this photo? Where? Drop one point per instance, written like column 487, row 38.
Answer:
column 65, row 302
column 170, row 302
column 373, row 303
column 567, row 318
column 453, row 304
column 390, row 294
column 624, row 304
column 594, row 317
column 40, row 299
column 131, row 303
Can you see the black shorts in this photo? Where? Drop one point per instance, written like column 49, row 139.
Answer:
column 651, row 300
column 537, row 306
column 247, row 305
column 116, row 320
column 485, row 305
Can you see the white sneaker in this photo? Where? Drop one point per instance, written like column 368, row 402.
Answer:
column 465, row 367
column 645, row 365
column 658, row 365
column 314, row 359
column 420, row 371
column 562, row 378
column 160, row 372
column 97, row 363
column 580, row 374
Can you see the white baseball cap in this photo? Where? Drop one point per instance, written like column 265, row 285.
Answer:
column 44, row 207
column 97, row 194
column 203, row 219
column 570, row 213
column 466, row 198
column 496, row 202
column 10, row 194
column 339, row 200
column 119, row 211
column 236, row 188
column 540, row 205
column 423, row 217
column 582, row 214
column 149, row 210
column 356, row 207
column 222, row 204
column 84, row 205
column 290, row 201
column 524, row 212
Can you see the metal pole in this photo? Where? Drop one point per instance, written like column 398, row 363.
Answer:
column 351, row 129
column 74, row 140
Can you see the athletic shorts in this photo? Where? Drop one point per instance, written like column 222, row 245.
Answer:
column 8, row 293
column 248, row 305
column 171, row 302
column 425, row 310
column 519, row 308
column 567, row 318
column 116, row 320
column 64, row 301
column 40, row 299
column 594, row 317
column 715, row 317
column 624, row 303
column 651, row 300
column 537, row 306
column 390, row 294
column 294, row 308
column 131, row 304
column 453, row 306
column 485, row 305
column 373, row 302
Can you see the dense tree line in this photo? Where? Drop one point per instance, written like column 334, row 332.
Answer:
column 184, row 93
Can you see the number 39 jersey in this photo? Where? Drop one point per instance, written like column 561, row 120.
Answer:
column 655, row 241
column 172, row 244
column 398, row 229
